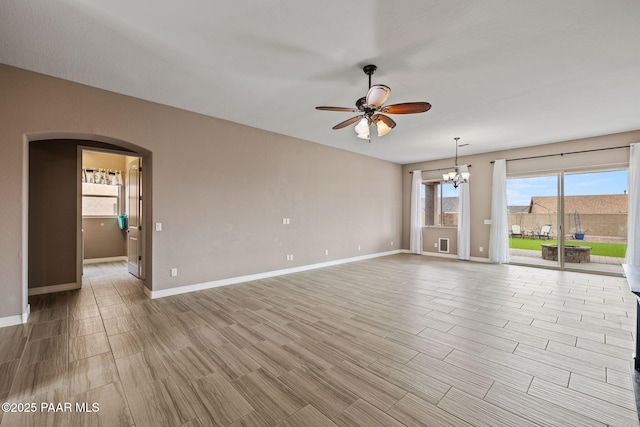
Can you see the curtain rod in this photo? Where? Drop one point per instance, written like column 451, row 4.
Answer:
column 441, row 169
column 562, row 154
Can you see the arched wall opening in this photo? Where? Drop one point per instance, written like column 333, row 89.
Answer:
column 52, row 213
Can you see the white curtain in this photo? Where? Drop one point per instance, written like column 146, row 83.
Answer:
column 499, row 237
column 633, row 221
column 464, row 228
column 415, row 237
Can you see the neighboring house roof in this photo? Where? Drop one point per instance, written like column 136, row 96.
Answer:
column 518, row 209
column 450, row 204
column 596, row 204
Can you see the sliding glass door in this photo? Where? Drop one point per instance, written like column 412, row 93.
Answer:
column 570, row 220
column 595, row 217
column 534, row 220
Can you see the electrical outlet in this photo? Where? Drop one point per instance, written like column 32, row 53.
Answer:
column 435, row 245
column 358, row 247
column 392, row 243
column 481, row 249
column 174, row 272
column 326, row 251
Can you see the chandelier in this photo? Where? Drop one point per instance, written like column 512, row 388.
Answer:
column 456, row 177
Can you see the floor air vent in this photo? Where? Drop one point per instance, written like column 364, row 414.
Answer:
column 443, row 245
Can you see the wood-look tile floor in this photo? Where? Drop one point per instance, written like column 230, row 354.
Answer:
column 402, row 340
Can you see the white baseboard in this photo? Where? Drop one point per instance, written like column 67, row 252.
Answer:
column 18, row 319
column 101, row 260
column 449, row 256
column 54, row 288
column 233, row 280
column 440, row 255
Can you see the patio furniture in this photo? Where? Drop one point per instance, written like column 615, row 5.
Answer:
column 545, row 230
column 515, row 230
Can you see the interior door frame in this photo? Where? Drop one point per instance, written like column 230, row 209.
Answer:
column 135, row 220
column 143, row 219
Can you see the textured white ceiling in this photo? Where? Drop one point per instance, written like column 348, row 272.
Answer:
column 499, row 73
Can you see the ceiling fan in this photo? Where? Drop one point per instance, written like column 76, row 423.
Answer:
column 371, row 108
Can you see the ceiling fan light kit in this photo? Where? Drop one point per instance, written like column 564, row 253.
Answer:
column 377, row 95
column 370, row 107
column 362, row 129
column 383, row 127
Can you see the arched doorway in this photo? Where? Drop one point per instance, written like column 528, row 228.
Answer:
column 54, row 210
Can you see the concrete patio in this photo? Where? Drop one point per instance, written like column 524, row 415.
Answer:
column 600, row 264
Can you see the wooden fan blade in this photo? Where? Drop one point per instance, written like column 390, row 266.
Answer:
column 385, row 119
column 406, row 108
column 348, row 110
column 347, row 122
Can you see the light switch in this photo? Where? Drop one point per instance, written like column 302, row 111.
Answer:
column 158, row 226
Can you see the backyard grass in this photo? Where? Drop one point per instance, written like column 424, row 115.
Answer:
column 616, row 250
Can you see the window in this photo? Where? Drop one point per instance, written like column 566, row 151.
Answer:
column 100, row 199
column 440, row 204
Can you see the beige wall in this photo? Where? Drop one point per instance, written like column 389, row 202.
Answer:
column 52, row 215
column 103, row 238
column 482, row 175
column 220, row 189
column 100, row 160
column 432, row 234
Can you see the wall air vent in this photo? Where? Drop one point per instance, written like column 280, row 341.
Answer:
column 443, row 245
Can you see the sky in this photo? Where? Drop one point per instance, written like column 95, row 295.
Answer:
column 520, row 190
